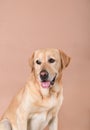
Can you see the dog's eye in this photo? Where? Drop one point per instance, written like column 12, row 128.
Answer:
column 51, row 60
column 38, row 62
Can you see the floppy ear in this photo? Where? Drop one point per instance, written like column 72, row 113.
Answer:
column 65, row 59
column 31, row 62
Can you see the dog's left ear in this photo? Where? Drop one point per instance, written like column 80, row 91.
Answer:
column 31, row 62
column 65, row 59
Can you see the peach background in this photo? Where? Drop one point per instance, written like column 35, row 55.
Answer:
column 26, row 25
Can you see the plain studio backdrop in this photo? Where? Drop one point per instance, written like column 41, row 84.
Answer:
column 26, row 25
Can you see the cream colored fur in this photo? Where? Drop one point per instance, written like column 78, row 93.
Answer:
column 35, row 107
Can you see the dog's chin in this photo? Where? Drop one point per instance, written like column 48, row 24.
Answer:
column 47, row 84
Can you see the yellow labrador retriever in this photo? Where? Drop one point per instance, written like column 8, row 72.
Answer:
column 37, row 104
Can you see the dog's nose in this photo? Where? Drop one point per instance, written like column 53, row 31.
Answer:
column 44, row 75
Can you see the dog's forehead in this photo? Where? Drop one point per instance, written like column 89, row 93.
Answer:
column 47, row 53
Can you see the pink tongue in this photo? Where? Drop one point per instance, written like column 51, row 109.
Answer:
column 45, row 84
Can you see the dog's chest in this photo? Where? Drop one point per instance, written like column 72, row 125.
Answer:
column 45, row 113
column 40, row 121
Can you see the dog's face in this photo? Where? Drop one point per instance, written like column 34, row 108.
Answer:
column 47, row 65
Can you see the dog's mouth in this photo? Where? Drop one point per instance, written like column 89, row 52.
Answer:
column 48, row 83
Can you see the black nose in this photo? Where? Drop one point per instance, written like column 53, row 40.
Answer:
column 44, row 75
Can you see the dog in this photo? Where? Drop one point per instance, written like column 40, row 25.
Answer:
column 37, row 104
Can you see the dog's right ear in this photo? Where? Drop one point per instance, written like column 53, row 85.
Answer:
column 31, row 62
column 65, row 59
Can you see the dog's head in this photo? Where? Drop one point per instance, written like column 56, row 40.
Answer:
column 47, row 66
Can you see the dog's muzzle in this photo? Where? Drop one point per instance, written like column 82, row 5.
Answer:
column 52, row 82
column 45, row 82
